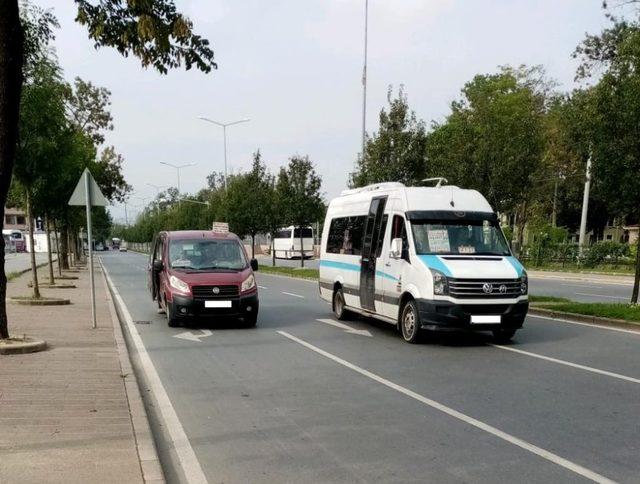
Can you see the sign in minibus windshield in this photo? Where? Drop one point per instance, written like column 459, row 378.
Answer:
column 220, row 227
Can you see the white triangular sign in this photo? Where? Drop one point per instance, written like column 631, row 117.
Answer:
column 79, row 196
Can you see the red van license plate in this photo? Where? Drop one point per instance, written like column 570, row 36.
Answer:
column 217, row 304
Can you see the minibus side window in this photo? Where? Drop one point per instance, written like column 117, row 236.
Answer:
column 345, row 236
column 399, row 231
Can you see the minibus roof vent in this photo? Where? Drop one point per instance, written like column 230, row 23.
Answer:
column 371, row 188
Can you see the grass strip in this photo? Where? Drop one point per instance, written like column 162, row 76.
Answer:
column 547, row 299
column 626, row 312
column 302, row 273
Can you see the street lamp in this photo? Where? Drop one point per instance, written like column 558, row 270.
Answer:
column 364, row 75
column 224, row 130
column 177, row 167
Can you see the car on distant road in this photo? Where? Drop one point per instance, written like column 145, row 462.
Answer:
column 200, row 273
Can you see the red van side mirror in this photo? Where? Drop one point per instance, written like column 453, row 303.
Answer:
column 254, row 264
column 157, row 265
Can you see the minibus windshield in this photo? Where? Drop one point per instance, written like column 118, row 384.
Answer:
column 455, row 237
column 206, row 255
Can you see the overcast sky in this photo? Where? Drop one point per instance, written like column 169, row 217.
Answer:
column 294, row 67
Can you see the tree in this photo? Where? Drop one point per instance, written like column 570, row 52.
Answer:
column 493, row 140
column 247, row 201
column 615, row 105
column 151, row 30
column 397, row 151
column 88, row 106
column 299, row 187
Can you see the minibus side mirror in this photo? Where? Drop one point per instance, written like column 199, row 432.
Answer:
column 157, row 265
column 396, row 249
column 254, row 264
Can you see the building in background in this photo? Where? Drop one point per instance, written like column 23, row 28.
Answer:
column 15, row 219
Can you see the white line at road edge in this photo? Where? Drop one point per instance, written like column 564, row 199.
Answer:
column 568, row 363
column 294, row 295
column 591, row 325
column 186, row 456
column 599, row 295
column 545, row 454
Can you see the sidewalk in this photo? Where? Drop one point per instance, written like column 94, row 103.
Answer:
column 64, row 412
column 18, row 262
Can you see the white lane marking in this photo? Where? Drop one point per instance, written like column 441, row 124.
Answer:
column 583, row 285
column 591, row 325
column 186, row 456
column 189, row 336
column 292, row 294
column 600, row 295
column 261, row 287
column 568, row 363
column 346, row 328
column 608, row 282
column 545, row 454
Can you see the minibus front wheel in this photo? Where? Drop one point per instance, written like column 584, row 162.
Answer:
column 501, row 336
column 410, row 322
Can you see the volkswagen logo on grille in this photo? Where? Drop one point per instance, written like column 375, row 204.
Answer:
column 216, row 290
column 503, row 289
column 487, row 288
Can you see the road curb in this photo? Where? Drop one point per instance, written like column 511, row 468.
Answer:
column 582, row 318
column 23, row 348
column 145, row 444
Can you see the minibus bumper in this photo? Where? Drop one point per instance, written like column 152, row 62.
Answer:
column 446, row 315
column 187, row 307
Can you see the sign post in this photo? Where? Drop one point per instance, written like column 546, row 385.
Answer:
column 88, row 193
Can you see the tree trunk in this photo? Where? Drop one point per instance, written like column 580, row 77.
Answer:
column 52, row 280
column 301, row 248
column 55, row 235
column 253, row 246
column 636, row 282
column 32, row 247
column 273, row 249
column 64, row 246
column 11, row 40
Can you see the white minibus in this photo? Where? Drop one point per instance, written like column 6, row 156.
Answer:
column 286, row 242
column 421, row 258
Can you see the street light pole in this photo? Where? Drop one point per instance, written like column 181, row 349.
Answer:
column 177, row 167
column 585, row 209
column 364, row 76
column 224, row 134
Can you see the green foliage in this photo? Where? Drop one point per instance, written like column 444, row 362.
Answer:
column 88, row 106
column 397, row 151
column 298, row 187
column 152, row 30
column 606, row 251
column 626, row 312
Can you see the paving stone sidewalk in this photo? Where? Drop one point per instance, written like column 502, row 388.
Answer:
column 64, row 412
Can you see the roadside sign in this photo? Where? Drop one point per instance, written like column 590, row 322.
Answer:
column 88, row 193
column 220, row 227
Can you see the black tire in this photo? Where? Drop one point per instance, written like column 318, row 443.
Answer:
column 501, row 336
column 172, row 321
column 410, row 323
column 339, row 306
column 250, row 321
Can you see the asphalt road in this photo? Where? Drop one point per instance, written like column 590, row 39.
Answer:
column 301, row 400
column 577, row 287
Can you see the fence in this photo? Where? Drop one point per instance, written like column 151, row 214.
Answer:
column 604, row 255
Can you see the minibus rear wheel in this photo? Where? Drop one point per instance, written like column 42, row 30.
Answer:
column 339, row 306
column 503, row 335
column 410, row 322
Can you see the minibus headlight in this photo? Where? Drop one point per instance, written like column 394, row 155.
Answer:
column 524, row 283
column 248, row 284
column 179, row 285
column 440, row 285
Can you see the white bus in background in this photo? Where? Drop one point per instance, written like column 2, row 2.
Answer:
column 287, row 242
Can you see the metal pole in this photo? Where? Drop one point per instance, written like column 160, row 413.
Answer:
column 585, row 209
column 126, row 217
column 364, row 75
column 87, row 189
column 224, row 134
column 178, row 170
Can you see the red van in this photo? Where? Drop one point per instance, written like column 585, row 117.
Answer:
column 198, row 273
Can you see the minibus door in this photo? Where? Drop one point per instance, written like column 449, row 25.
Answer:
column 370, row 243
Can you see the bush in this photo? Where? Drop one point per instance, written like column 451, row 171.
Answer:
column 606, row 251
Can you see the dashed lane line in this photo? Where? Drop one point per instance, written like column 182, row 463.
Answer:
column 534, row 449
column 292, row 294
column 568, row 363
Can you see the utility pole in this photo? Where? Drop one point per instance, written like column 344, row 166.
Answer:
column 554, row 214
column 585, row 208
column 364, row 76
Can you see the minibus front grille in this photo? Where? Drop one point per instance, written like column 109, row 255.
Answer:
column 207, row 293
column 484, row 288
